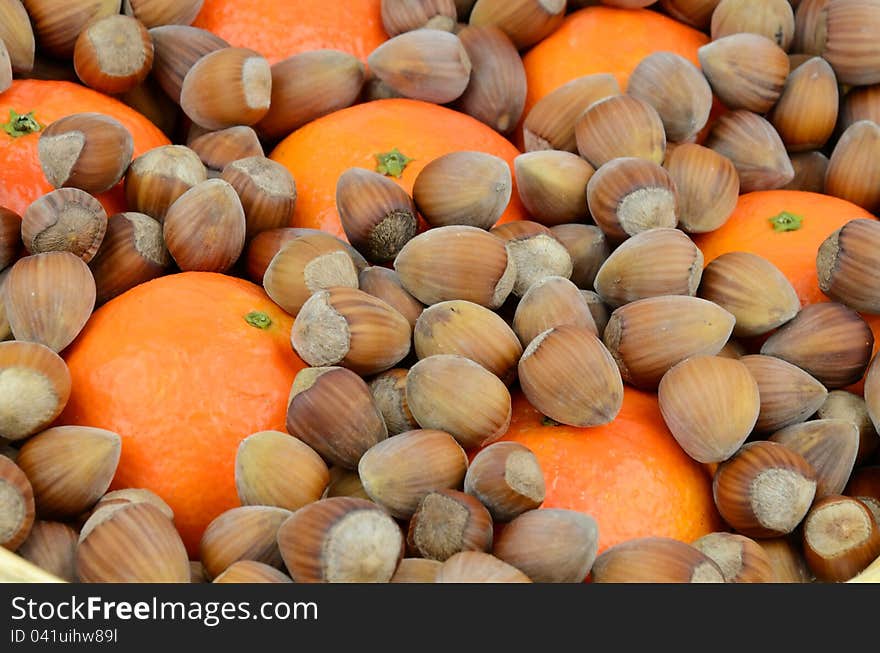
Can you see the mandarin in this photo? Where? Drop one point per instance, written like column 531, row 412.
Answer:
column 630, row 475
column 278, row 29
column 183, row 368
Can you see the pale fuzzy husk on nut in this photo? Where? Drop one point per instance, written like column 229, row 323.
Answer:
column 829, row 445
column 347, row 327
column 35, row 385
column 507, row 478
column 741, row 559
column 629, row 195
column 305, row 265
column 341, row 540
column 446, row 522
column 764, row 490
column 17, row 508
column 377, row 215
column 536, row 252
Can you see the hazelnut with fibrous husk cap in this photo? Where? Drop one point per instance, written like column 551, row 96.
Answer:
column 741, row 559
column 350, row 328
column 840, row 538
column 828, row 445
column 446, row 522
column 628, row 195
column 377, row 215
column 764, row 490
column 341, row 540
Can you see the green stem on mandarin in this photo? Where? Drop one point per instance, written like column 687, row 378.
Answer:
column 392, row 163
column 258, row 319
column 21, row 124
column 786, row 221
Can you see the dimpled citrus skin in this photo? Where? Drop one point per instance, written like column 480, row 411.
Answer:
column 604, row 40
column 318, row 153
column 21, row 178
column 174, row 368
column 630, row 475
column 278, row 29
